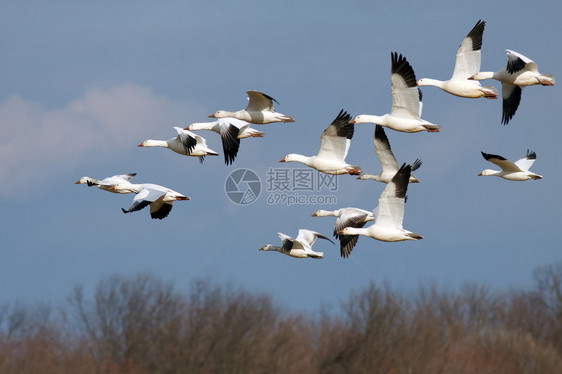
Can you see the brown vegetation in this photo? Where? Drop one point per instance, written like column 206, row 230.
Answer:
column 140, row 324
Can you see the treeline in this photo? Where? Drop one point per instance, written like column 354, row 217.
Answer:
column 141, row 324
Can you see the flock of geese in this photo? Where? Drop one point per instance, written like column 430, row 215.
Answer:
column 405, row 116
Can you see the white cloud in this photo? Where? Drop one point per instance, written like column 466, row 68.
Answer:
column 35, row 141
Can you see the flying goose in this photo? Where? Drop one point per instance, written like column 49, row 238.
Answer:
column 388, row 161
column 334, row 145
column 406, row 107
column 259, row 110
column 467, row 64
column 390, row 212
column 301, row 247
column 186, row 143
column 231, row 131
column 159, row 198
column 106, row 183
column 347, row 217
column 513, row 171
column 519, row 72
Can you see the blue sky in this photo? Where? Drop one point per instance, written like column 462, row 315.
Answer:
column 84, row 83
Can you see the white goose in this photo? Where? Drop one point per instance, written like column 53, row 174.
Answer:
column 334, row 145
column 301, row 247
column 186, row 143
column 390, row 212
column 106, row 183
column 347, row 217
column 466, row 65
column 519, row 72
column 388, row 161
column 259, row 110
column 159, row 198
column 231, row 131
column 513, row 171
column 406, row 107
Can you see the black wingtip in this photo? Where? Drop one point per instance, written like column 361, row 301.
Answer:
column 163, row 212
column 489, row 156
column 230, row 144
column 401, row 180
column 531, row 155
column 416, row 164
column 379, row 132
column 476, row 35
column 381, row 138
column 510, row 105
column 400, row 66
column 268, row 97
column 124, row 211
column 271, row 98
column 347, row 243
column 189, row 144
column 514, row 65
column 343, row 127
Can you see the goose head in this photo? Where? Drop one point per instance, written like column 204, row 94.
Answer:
column 292, row 157
column 220, row 114
column 83, row 180
column 487, row 172
column 199, row 126
column 322, row 213
column 364, row 118
column 425, row 82
column 267, row 247
column 348, row 231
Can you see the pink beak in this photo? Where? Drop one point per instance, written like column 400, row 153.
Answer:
column 352, row 122
column 186, row 127
column 282, row 160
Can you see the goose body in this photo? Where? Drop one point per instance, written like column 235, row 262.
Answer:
column 347, row 217
column 406, row 107
column 300, row 247
column 334, row 146
column 106, row 184
column 159, row 198
column 467, row 64
column 513, row 171
column 231, row 131
column 185, row 143
column 388, row 161
column 519, row 72
column 390, row 212
column 259, row 110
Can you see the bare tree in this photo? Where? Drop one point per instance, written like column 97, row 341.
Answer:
column 140, row 324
